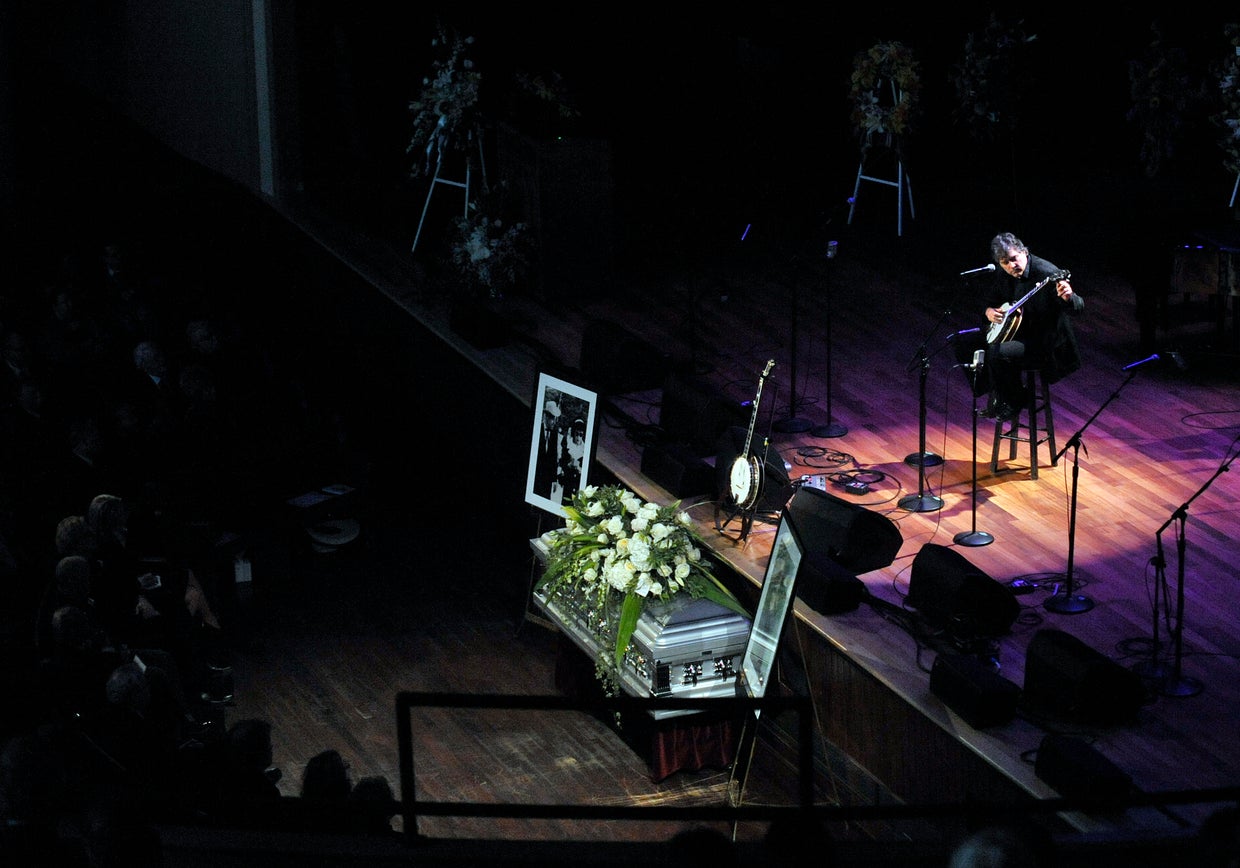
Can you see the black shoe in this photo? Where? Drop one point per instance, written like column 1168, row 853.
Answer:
column 1000, row 410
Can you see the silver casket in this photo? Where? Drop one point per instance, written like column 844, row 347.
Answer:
column 686, row 648
column 681, row 648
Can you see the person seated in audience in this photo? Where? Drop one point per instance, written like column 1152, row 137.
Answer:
column 134, row 736
column 36, row 796
column 72, row 676
column 1015, row 844
column 154, row 597
column 70, row 586
column 238, row 785
column 373, row 805
column 326, row 778
column 324, row 794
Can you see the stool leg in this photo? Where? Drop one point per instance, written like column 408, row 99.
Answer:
column 994, row 450
column 1048, row 411
column 1031, row 408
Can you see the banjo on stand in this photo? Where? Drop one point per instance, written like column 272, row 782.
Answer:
column 745, row 477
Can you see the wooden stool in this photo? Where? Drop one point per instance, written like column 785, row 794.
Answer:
column 1024, row 428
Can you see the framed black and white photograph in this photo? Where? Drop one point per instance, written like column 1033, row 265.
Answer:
column 562, row 443
column 774, row 608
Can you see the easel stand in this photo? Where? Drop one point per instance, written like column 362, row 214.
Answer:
column 900, row 182
column 538, row 563
column 441, row 144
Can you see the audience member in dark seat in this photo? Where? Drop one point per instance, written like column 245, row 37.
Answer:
column 69, row 586
column 702, row 846
column 373, row 805
column 75, row 536
column 325, row 788
column 238, row 785
column 73, row 676
column 154, row 598
column 134, row 738
column 32, row 452
column 36, row 794
column 151, row 388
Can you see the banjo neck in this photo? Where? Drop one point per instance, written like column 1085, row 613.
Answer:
column 753, row 419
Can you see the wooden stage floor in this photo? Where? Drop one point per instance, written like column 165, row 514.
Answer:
column 1153, row 441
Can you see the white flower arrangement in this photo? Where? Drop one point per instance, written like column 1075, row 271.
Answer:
column 616, row 552
column 491, row 255
column 444, row 112
column 887, row 67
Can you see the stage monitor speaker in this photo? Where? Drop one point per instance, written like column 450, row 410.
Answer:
column 696, row 415
column 1067, row 679
column 1072, row 766
column 826, row 587
column 776, row 486
column 675, row 467
column 954, row 595
column 603, row 343
column 847, row 533
column 973, row 690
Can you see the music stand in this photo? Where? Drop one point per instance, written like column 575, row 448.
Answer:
column 974, row 537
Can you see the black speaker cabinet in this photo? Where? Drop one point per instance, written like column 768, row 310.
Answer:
column 604, row 343
column 696, row 415
column 675, row 467
column 1065, row 678
column 973, row 690
column 954, row 595
column 776, row 486
column 847, row 533
column 1077, row 771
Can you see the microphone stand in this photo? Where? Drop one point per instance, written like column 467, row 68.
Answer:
column 831, row 429
column 921, row 457
column 974, row 537
column 1177, row 684
column 921, row 501
column 793, row 424
column 1065, row 601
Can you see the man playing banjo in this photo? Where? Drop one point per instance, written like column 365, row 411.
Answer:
column 1030, row 324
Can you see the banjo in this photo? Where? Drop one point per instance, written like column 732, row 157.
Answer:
column 1004, row 329
column 745, row 479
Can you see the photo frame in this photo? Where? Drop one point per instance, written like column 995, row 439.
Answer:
column 562, row 443
column 773, row 612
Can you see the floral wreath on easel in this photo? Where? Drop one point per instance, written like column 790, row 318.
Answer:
column 884, row 67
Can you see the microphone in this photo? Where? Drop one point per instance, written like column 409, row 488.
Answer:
column 979, row 356
column 1146, row 360
column 832, row 248
column 963, row 332
column 990, row 267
